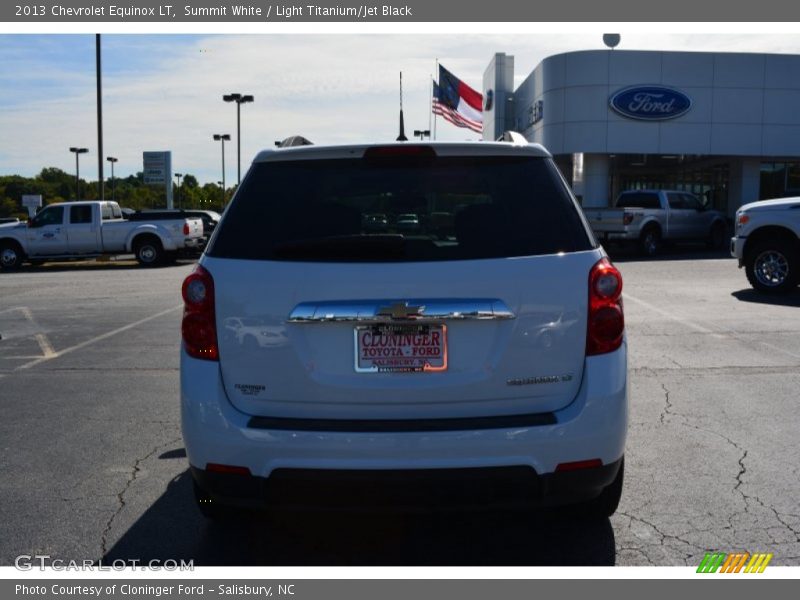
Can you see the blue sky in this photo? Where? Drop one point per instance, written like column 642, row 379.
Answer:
column 163, row 92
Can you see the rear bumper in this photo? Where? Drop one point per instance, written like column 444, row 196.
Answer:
column 470, row 488
column 593, row 426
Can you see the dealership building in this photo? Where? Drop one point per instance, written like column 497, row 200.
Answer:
column 725, row 126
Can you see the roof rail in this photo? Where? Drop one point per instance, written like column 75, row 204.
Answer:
column 512, row 136
column 294, row 140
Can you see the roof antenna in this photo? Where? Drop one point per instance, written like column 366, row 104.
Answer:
column 402, row 137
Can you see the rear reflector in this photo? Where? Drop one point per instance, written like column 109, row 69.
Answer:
column 579, row 464
column 230, row 469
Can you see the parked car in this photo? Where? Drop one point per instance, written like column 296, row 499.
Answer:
column 405, row 356
column 767, row 244
column 650, row 217
column 209, row 218
column 376, row 222
column 8, row 220
column 254, row 331
column 407, row 222
column 87, row 229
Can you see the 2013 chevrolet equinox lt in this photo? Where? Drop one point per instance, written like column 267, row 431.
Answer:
column 485, row 342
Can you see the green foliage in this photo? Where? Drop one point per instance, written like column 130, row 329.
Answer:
column 55, row 185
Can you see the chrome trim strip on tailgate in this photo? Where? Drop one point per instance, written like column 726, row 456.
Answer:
column 389, row 311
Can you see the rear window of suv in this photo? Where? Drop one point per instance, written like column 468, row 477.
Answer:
column 401, row 209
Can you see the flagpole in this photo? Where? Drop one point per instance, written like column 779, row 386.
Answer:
column 434, row 116
column 430, row 102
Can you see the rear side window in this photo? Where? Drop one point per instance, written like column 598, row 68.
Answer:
column 677, row 201
column 638, row 200
column 80, row 214
column 401, row 209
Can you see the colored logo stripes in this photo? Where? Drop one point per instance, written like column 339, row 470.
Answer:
column 734, row 563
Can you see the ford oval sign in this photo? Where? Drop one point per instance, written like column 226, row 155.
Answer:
column 650, row 103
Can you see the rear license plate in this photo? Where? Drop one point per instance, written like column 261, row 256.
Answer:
column 389, row 348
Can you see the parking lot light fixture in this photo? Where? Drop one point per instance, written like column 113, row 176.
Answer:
column 222, row 138
column 112, row 160
column 78, row 152
column 239, row 99
column 178, row 188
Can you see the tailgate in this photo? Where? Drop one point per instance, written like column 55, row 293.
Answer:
column 605, row 220
column 528, row 361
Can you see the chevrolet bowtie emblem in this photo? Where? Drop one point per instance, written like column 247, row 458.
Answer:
column 400, row 310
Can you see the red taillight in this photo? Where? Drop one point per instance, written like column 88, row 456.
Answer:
column 186, row 229
column 627, row 218
column 199, row 327
column 606, row 322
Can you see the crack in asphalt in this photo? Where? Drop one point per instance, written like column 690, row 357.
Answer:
column 639, row 551
column 121, row 495
column 663, row 537
column 667, row 405
column 739, row 479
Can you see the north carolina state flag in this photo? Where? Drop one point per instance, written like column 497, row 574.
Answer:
column 457, row 102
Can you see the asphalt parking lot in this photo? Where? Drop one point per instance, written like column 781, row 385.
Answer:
column 93, row 463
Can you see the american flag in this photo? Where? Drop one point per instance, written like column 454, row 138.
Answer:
column 457, row 102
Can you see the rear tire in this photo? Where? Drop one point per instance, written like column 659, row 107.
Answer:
column 773, row 266
column 650, row 241
column 607, row 502
column 11, row 256
column 149, row 251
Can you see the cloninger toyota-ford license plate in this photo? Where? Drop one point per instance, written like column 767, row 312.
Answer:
column 389, row 348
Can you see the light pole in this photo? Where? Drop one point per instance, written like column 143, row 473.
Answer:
column 112, row 160
column 221, row 184
column 78, row 152
column 222, row 138
column 239, row 99
column 178, row 189
column 422, row 134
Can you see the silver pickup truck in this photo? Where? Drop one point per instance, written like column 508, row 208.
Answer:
column 650, row 217
column 74, row 230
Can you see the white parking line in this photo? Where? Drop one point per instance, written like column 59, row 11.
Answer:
column 44, row 344
column 668, row 315
column 98, row 338
column 701, row 329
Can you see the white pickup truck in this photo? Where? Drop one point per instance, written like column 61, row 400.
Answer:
column 650, row 217
column 87, row 229
column 767, row 244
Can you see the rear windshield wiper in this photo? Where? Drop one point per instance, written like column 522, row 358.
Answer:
column 364, row 247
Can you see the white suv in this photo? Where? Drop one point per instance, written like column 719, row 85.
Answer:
column 486, row 342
